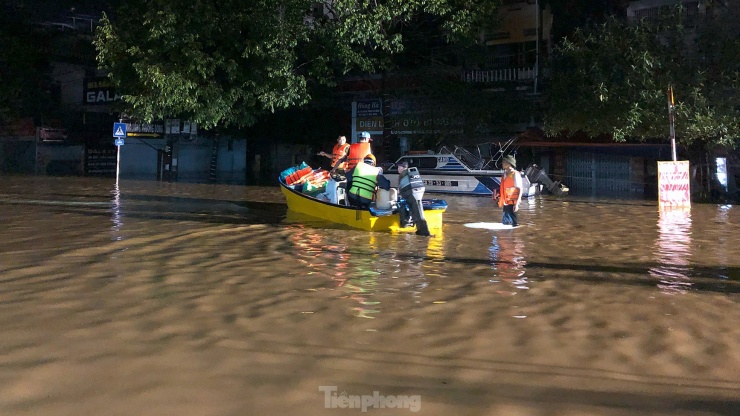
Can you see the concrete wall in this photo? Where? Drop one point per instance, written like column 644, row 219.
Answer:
column 71, row 79
column 17, row 155
column 139, row 159
column 26, row 155
column 60, row 159
column 234, row 159
column 193, row 158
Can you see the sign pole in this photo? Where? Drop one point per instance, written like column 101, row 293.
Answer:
column 118, row 163
column 672, row 120
column 537, row 45
column 119, row 133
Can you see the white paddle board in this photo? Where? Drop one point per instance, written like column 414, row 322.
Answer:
column 489, row 225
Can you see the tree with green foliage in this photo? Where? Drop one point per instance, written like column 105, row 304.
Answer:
column 227, row 62
column 613, row 79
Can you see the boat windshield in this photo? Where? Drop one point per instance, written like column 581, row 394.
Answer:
column 489, row 156
column 468, row 158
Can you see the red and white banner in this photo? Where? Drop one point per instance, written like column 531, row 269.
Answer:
column 674, row 188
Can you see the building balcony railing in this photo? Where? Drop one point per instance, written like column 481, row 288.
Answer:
column 498, row 75
column 78, row 24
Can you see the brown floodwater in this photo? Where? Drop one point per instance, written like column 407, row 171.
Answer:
column 154, row 298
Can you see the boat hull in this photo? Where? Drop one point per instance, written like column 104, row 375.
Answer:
column 460, row 171
column 351, row 216
column 462, row 183
column 446, row 182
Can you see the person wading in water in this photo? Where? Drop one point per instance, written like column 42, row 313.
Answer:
column 510, row 191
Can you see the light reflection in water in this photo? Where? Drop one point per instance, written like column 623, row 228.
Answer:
column 723, row 214
column 417, row 261
column 362, row 281
column 352, row 272
column 672, row 251
column 116, row 214
column 374, row 263
column 507, row 260
column 435, row 247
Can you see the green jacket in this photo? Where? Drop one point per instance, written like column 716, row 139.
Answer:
column 364, row 180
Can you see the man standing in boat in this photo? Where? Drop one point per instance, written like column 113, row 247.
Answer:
column 510, row 191
column 356, row 153
column 339, row 151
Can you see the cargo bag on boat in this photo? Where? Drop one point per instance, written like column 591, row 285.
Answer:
column 284, row 174
column 310, row 188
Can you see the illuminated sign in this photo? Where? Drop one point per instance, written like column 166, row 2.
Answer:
column 144, row 130
column 674, row 190
column 98, row 91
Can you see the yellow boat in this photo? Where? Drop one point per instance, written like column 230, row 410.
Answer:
column 365, row 219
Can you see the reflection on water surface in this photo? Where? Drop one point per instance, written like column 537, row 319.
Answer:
column 673, row 251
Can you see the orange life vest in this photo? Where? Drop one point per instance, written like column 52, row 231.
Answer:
column 508, row 192
column 297, row 175
column 339, row 151
column 357, row 152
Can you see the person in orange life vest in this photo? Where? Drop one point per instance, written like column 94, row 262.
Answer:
column 340, row 149
column 510, row 191
column 356, row 153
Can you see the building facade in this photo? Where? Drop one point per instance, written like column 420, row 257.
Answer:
column 79, row 139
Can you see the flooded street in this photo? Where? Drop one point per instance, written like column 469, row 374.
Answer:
column 156, row 298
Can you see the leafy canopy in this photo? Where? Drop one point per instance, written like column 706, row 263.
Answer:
column 226, row 62
column 613, row 79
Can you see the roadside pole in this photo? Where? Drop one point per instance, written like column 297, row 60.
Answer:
column 674, row 183
column 119, row 133
column 118, row 161
column 672, row 120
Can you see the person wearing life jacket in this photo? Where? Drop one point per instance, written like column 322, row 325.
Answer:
column 339, row 151
column 364, row 180
column 510, row 191
column 355, row 153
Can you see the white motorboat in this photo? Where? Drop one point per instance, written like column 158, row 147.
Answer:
column 458, row 171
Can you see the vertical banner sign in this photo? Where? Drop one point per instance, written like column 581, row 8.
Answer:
column 367, row 115
column 674, row 189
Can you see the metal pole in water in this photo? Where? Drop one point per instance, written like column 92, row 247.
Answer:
column 672, row 119
column 119, row 133
column 118, row 163
column 537, row 45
